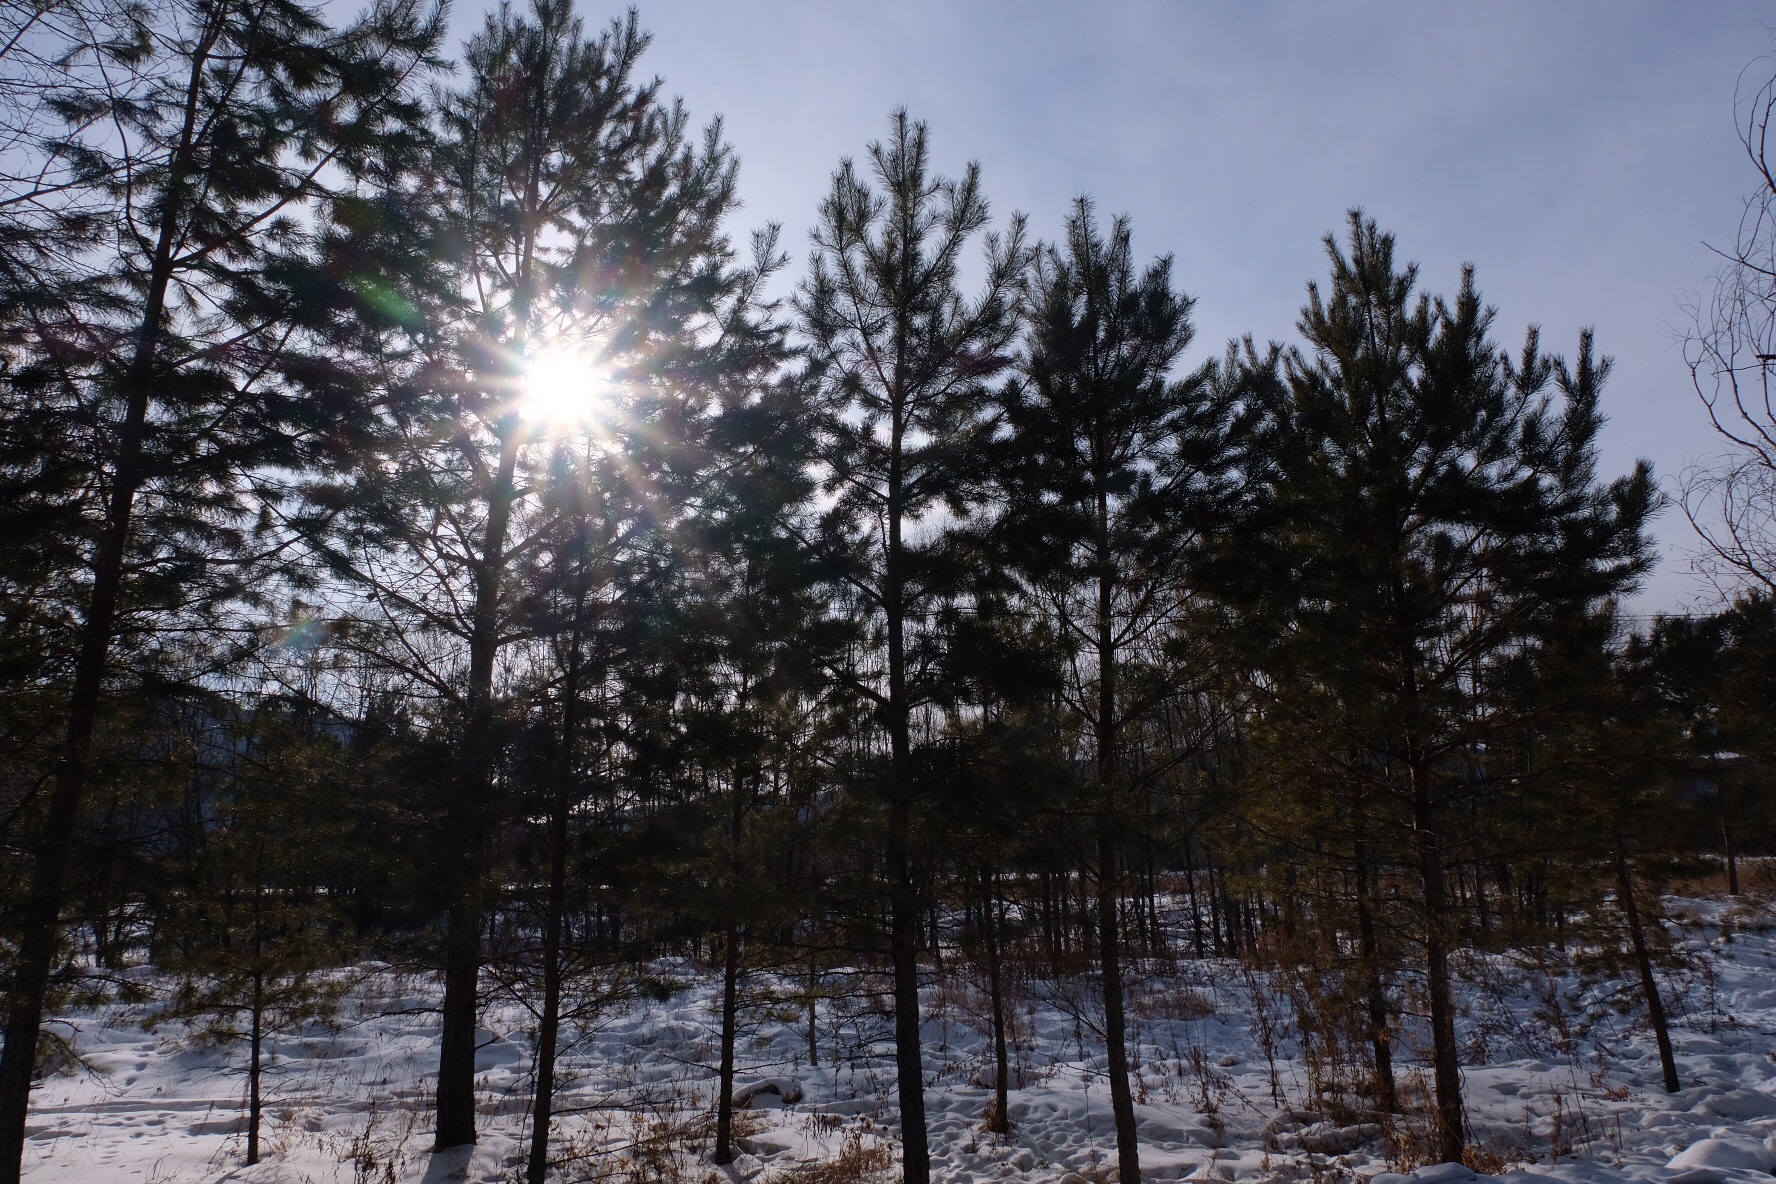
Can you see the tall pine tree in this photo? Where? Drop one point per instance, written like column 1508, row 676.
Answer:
column 1118, row 472
column 574, row 227
column 166, row 365
column 1433, row 511
column 904, row 363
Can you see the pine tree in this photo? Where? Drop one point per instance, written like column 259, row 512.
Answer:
column 903, row 362
column 1433, row 512
column 53, row 59
column 581, row 606
column 1118, row 472
column 251, row 925
column 1740, row 688
column 162, row 357
column 658, row 542
column 753, row 605
column 572, row 217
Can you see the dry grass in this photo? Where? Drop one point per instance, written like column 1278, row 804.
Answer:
column 1169, row 1000
column 666, row 1145
column 1484, row 1161
column 862, row 1159
column 379, row 1152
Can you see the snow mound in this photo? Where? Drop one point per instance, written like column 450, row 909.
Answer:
column 1718, row 1153
column 1739, row 1105
column 786, row 1090
column 1436, row 1173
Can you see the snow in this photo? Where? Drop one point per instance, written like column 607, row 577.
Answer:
column 1568, row 1091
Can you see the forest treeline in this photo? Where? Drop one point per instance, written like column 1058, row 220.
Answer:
column 429, row 534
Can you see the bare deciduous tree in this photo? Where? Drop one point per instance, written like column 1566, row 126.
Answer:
column 1730, row 497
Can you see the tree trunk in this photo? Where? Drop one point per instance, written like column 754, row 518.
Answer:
column 724, row 1111
column 456, row 1051
column 1482, row 907
column 1445, row 1058
column 1648, row 985
column 255, row 1041
column 724, row 1114
column 1196, row 921
column 548, row 1038
column 904, row 947
column 39, row 916
column 555, row 916
column 549, row 1027
column 813, row 1013
column 1156, row 942
column 1386, row 1097
column 1000, row 1123
column 1122, row 1102
column 1051, row 939
column 903, row 897
column 1214, row 894
column 473, row 821
column 1732, row 858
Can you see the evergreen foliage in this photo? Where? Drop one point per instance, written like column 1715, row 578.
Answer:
column 431, row 539
column 1117, row 476
column 904, row 364
column 1432, row 521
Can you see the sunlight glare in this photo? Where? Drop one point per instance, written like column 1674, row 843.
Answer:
column 563, row 388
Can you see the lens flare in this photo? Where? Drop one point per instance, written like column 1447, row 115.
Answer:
column 564, row 388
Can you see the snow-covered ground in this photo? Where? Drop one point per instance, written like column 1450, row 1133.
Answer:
column 1558, row 1083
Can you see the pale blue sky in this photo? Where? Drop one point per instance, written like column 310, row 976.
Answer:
column 1579, row 153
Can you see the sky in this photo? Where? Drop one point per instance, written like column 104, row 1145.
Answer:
column 1581, row 155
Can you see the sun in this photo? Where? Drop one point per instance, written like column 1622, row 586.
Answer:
column 564, row 388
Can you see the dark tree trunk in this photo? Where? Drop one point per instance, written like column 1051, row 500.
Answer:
column 904, row 946
column 1386, row 1097
column 1229, row 920
column 473, row 819
column 456, row 1050
column 1445, row 1058
column 40, row 914
column 1052, row 936
column 1122, row 1102
column 724, row 1111
column 1732, row 858
column 1214, row 894
column 1196, row 920
column 813, row 1013
column 1156, row 941
column 255, row 1045
column 1481, row 906
column 548, row 1039
column 903, row 896
column 1643, row 960
column 555, row 914
column 1001, row 1120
